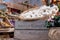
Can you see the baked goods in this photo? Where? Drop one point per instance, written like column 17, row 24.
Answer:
column 39, row 13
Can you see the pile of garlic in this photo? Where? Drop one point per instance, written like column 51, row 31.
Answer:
column 39, row 12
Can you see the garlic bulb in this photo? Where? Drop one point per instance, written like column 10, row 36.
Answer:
column 40, row 12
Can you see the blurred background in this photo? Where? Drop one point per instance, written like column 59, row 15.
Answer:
column 33, row 30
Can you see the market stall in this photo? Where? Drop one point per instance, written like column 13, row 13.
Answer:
column 30, row 19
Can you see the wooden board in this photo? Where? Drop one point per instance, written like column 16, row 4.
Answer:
column 38, row 24
column 31, row 34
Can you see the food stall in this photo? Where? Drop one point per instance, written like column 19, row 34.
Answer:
column 29, row 19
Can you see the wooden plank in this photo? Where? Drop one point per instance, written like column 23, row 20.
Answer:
column 31, row 34
column 39, row 24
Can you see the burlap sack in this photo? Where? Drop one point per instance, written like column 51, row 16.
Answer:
column 54, row 33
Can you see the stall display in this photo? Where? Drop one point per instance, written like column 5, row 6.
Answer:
column 38, row 13
column 54, row 22
column 6, row 27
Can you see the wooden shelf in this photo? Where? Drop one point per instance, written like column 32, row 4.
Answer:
column 6, row 29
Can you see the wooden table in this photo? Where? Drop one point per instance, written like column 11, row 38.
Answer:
column 6, row 32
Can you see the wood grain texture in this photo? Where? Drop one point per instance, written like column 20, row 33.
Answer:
column 38, row 24
column 31, row 30
column 31, row 34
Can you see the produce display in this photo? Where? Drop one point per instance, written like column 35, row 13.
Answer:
column 39, row 12
column 54, row 22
